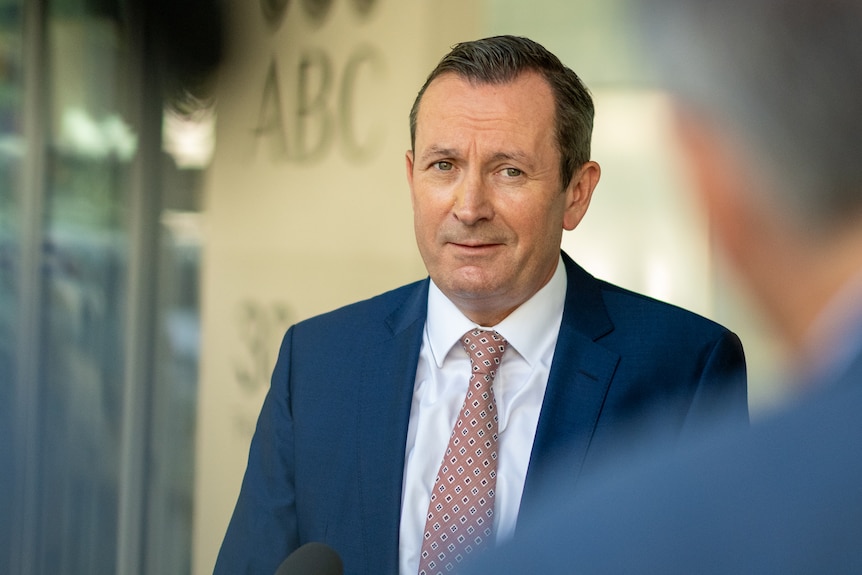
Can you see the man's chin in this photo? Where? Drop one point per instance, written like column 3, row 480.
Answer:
column 472, row 282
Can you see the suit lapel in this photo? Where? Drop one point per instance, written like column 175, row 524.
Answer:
column 577, row 384
column 386, row 379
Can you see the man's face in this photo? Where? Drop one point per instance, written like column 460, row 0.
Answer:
column 489, row 211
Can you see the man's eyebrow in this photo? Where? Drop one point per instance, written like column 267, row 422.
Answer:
column 512, row 155
column 437, row 152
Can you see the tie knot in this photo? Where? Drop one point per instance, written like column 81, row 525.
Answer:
column 485, row 349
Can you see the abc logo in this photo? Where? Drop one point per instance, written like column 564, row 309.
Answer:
column 316, row 10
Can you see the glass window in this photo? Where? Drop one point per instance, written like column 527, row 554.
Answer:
column 11, row 167
column 80, row 224
column 90, row 148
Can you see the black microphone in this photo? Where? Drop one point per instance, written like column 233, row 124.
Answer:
column 312, row 559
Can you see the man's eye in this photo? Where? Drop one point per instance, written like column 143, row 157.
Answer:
column 513, row 172
column 443, row 165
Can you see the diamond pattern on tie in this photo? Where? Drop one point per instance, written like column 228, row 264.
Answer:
column 460, row 516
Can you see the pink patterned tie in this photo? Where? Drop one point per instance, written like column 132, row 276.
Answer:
column 460, row 516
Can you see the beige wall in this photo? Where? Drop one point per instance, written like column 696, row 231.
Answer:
column 293, row 226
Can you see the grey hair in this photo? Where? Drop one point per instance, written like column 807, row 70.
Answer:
column 787, row 74
column 501, row 59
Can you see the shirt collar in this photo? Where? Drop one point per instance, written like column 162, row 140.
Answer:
column 525, row 328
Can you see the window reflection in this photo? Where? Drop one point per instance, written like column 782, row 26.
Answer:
column 85, row 143
column 84, row 273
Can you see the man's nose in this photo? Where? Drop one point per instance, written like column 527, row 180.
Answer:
column 473, row 200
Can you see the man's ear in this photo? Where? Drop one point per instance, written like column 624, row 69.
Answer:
column 409, row 163
column 579, row 193
column 408, row 157
column 773, row 256
column 723, row 182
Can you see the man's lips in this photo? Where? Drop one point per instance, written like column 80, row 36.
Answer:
column 473, row 241
column 475, row 244
column 469, row 251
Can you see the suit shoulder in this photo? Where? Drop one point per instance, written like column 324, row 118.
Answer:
column 408, row 298
column 630, row 312
column 634, row 306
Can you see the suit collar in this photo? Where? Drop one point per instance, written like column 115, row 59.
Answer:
column 411, row 308
column 580, row 376
column 385, row 378
column 585, row 307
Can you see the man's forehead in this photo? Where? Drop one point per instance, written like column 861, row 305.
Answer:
column 454, row 104
column 528, row 93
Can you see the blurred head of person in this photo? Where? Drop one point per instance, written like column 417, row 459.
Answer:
column 767, row 95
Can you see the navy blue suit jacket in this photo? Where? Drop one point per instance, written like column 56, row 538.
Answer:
column 327, row 458
column 781, row 497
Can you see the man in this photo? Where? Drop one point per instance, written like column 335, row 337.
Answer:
column 363, row 402
column 768, row 96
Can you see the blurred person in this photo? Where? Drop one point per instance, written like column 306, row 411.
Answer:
column 767, row 96
column 370, row 435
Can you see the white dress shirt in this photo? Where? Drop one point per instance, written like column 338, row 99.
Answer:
column 441, row 384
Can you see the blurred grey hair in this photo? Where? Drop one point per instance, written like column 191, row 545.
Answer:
column 787, row 74
column 501, row 59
